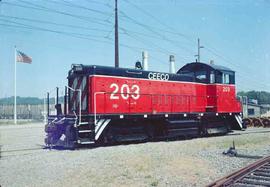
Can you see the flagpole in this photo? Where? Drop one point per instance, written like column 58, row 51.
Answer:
column 15, row 86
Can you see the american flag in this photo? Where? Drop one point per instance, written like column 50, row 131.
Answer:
column 21, row 57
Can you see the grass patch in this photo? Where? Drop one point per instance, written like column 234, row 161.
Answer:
column 154, row 183
column 148, row 177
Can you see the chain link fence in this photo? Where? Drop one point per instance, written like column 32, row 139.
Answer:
column 35, row 112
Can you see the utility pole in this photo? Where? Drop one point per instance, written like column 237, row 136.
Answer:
column 199, row 54
column 116, row 46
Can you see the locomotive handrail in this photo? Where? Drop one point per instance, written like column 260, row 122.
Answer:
column 44, row 111
column 95, row 105
column 80, row 106
column 48, row 103
column 134, row 72
column 49, row 92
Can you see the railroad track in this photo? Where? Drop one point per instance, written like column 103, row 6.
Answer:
column 19, row 152
column 256, row 174
column 236, row 133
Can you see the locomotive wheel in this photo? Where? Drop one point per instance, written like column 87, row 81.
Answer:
column 149, row 128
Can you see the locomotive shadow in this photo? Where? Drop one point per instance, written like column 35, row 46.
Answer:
column 135, row 142
column 60, row 147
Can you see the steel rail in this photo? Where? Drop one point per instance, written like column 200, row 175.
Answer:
column 250, row 175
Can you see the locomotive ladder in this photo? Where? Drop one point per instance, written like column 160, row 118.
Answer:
column 85, row 133
column 89, row 132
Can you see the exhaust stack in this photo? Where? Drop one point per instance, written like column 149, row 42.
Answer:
column 172, row 64
column 145, row 60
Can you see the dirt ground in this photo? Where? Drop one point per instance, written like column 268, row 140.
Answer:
column 195, row 162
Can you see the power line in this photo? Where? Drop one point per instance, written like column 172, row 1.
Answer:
column 42, row 8
column 69, row 26
column 174, row 42
column 149, row 28
column 142, row 25
column 96, row 2
column 76, row 35
column 125, row 30
column 235, row 65
column 246, row 76
column 109, row 33
column 161, row 36
column 70, row 34
column 162, row 50
column 137, row 49
column 136, row 38
column 76, row 27
column 62, row 12
column 85, row 36
column 53, row 23
column 216, row 53
column 140, row 49
column 155, row 31
column 73, row 5
column 167, row 26
column 161, row 23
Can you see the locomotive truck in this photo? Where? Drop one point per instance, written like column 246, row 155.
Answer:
column 105, row 105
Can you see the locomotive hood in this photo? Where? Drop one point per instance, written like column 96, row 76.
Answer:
column 89, row 70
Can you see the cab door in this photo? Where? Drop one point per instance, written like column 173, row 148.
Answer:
column 78, row 93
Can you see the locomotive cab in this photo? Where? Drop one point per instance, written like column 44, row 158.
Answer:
column 220, row 91
column 208, row 73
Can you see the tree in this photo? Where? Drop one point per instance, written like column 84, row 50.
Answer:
column 262, row 96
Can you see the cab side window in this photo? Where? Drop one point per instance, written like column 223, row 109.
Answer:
column 226, row 78
column 232, row 79
column 201, row 75
column 218, row 77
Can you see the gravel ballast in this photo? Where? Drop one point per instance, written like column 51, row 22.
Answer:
column 195, row 162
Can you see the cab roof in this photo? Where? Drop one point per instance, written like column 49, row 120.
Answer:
column 194, row 66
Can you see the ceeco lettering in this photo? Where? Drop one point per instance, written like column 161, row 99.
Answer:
column 158, row 76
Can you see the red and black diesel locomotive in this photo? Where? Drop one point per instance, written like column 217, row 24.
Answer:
column 107, row 104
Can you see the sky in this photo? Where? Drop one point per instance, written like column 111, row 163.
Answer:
column 58, row 33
